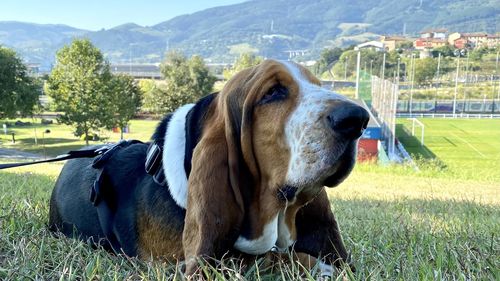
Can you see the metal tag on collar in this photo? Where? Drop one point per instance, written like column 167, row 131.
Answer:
column 153, row 158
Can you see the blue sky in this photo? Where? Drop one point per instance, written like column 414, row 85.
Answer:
column 97, row 14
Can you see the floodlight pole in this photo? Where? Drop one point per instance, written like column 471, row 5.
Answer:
column 456, row 88
column 397, row 74
column 412, row 77
column 496, row 71
column 345, row 69
column 357, row 72
column 439, row 64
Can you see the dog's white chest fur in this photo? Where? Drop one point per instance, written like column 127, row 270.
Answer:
column 173, row 156
column 275, row 234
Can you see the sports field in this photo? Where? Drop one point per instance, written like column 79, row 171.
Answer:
column 440, row 223
column 460, row 148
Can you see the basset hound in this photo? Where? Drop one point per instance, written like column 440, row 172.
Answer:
column 244, row 172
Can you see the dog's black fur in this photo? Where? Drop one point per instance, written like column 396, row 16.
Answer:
column 126, row 186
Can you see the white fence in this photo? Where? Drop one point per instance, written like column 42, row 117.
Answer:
column 384, row 104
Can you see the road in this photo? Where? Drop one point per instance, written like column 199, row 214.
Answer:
column 8, row 153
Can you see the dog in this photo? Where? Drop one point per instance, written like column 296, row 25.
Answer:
column 242, row 171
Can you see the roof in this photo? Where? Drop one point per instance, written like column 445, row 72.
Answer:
column 479, row 34
column 375, row 44
column 438, row 30
column 434, row 40
column 396, row 38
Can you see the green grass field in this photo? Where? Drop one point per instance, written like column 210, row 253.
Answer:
column 61, row 138
column 460, row 148
column 441, row 223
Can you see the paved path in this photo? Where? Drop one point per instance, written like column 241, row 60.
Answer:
column 16, row 154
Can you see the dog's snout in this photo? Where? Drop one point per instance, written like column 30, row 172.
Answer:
column 348, row 120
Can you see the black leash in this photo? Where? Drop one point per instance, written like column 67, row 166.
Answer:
column 87, row 153
column 101, row 155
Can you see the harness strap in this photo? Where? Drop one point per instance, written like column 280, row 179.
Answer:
column 88, row 153
column 104, row 214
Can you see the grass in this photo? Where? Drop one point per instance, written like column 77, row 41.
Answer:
column 459, row 148
column 446, row 92
column 61, row 139
column 398, row 224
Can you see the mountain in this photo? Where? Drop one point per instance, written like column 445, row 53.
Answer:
column 37, row 42
column 268, row 27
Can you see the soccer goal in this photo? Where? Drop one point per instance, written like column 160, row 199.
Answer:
column 415, row 122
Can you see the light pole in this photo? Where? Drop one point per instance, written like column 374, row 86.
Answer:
column 130, row 58
column 47, row 131
column 397, row 73
column 412, row 77
column 456, row 87
column 345, row 69
column 496, row 71
column 358, row 61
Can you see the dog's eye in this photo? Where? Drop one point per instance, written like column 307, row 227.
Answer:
column 276, row 93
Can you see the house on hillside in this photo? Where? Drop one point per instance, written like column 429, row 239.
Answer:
column 392, row 42
column 429, row 43
column 373, row 45
column 434, row 33
column 473, row 40
column 430, row 39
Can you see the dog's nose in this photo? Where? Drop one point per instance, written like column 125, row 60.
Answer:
column 348, row 120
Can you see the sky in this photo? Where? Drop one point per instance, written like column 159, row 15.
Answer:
column 98, row 14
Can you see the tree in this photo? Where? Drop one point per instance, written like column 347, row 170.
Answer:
column 245, row 60
column 185, row 81
column 445, row 51
column 79, row 86
column 126, row 98
column 425, row 70
column 18, row 92
column 328, row 57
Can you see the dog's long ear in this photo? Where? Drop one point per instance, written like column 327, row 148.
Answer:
column 220, row 178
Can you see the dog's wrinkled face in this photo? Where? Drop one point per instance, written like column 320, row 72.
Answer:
column 273, row 138
column 304, row 136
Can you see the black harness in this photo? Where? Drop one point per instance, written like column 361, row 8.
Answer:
column 153, row 166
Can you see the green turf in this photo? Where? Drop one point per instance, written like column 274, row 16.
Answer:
column 61, row 139
column 463, row 148
column 437, row 224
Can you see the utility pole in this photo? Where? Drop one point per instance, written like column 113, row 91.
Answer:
column 371, row 67
column 358, row 61
column 496, row 71
column 345, row 69
column 397, row 75
column 412, row 78
column 130, row 59
column 439, row 65
column 383, row 67
column 456, row 87
column 466, row 80
column 437, row 76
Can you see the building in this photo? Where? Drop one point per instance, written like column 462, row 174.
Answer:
column 392, row 42
column 431, row 38
column 434, row 33
column 373, row 45
column 473, row 40
column 138, row 71
column 33, row 69
column 429, row 43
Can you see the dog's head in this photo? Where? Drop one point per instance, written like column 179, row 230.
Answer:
column 272, row 139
